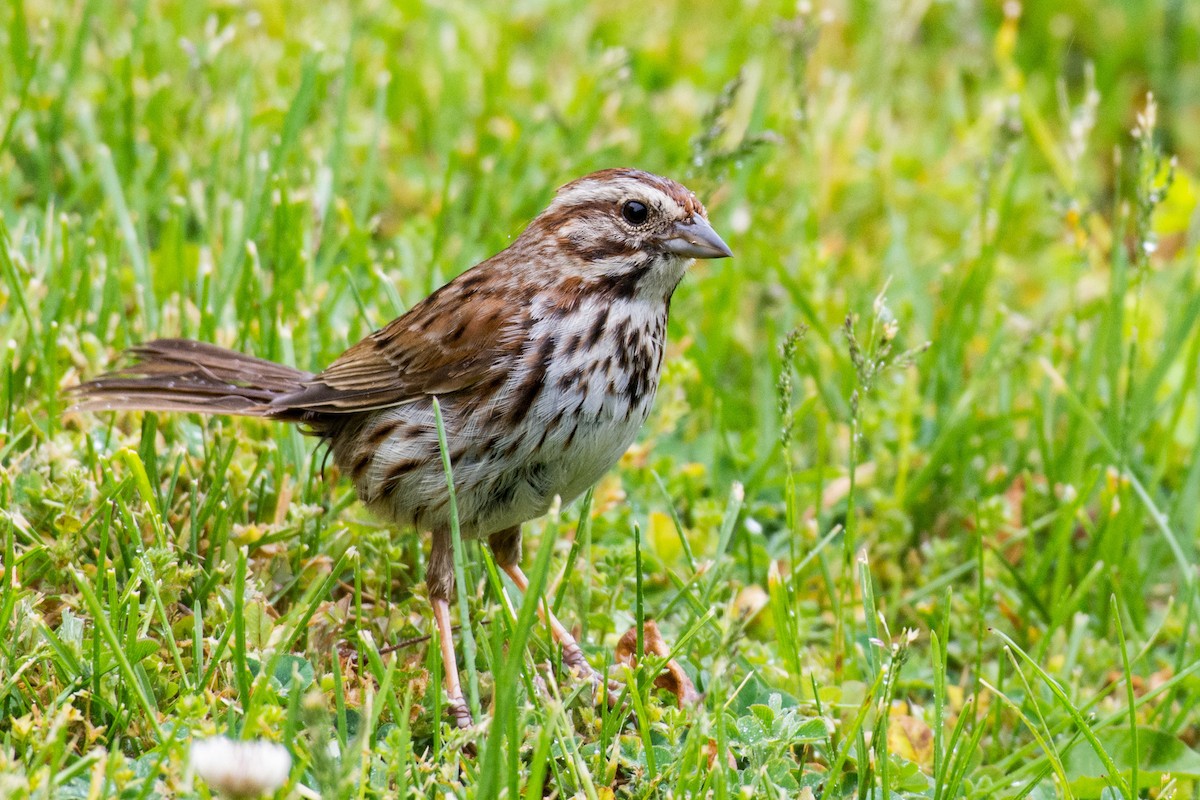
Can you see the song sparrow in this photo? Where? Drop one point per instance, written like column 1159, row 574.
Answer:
column 545, row 360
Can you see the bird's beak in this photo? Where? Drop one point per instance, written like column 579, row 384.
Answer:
column 695, row 238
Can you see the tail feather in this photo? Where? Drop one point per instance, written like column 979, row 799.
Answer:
column 184, row 375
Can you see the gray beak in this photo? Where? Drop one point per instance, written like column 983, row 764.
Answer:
column 695, row 238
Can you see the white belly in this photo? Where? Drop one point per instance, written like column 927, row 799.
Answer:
column 508, row 463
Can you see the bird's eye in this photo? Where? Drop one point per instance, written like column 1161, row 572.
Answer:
column 635, row 213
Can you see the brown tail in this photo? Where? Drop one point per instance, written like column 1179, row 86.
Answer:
column 183, row 375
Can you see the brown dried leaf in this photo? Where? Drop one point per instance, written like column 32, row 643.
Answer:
column 710, row 750
column 672, row 678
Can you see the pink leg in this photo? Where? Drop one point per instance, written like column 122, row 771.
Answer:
column 506, row 545
column 458, row 705
column 572, row 654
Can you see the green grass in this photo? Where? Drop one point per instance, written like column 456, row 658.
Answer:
column 961, row 570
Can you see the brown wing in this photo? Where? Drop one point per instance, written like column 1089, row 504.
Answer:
column 464, row 336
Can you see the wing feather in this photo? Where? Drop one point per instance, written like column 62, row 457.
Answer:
column 464, row 336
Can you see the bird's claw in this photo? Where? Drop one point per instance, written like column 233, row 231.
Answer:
column 461, row 714
column 575, row 661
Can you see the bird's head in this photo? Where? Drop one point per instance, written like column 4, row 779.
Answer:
column 630, row 225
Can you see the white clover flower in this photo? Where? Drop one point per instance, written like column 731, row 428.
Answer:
column 238, row 769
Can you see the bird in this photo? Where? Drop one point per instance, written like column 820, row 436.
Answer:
column 544, row 360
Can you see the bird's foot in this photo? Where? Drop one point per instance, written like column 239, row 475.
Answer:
column 461, row 714
column 575, row 661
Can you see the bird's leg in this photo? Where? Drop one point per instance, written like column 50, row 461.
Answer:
column 506, row 550
column 439, row 579
column 506, row 546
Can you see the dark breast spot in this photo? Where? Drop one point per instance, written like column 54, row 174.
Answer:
column 573, row 344
column 597, row 327
column 501, row 494
column 399, row 469
column 537, row 476
column 380, row 433
column 360, row 465
column 534, row 476
column 568, row 380
column 531, row 385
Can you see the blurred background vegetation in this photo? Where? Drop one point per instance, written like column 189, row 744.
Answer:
column 978, row 219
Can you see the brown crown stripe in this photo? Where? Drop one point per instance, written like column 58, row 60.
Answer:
column 675, row 191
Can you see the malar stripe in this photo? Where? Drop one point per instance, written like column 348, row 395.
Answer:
column 625, row 285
